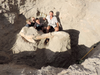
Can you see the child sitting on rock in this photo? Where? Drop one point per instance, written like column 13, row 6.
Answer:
column 38, row 25
column 33, row 21
column 29, row 24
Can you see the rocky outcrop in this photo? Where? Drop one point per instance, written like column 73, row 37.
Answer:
column 23, row 44
column 59, row 42
column 77, row 15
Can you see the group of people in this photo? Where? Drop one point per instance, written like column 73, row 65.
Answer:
column 51, row 19
column 36, row 25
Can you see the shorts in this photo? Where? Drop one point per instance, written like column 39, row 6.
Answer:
column 51, row 29
column 39, row 28
column 52, row 26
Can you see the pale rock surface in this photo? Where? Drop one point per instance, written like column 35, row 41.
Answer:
column 60, row 41
column 23, row 44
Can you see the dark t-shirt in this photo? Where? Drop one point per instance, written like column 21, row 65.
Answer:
column 38, row 26
column 32, row 25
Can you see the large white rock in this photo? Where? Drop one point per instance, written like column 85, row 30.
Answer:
column 59, row 42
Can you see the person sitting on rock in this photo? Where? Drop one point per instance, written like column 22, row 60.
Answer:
column 29, row 24
column 52, row 22
column 33, row 21
column 38, row 25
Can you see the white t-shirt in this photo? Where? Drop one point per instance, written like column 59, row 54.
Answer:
column 52, row 22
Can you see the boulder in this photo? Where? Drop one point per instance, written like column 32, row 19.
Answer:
column 22, row 44
column 59, row 42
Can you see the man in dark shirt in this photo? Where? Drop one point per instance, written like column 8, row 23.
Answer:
column 38, row 25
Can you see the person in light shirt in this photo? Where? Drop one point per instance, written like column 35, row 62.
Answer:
column 52, row 22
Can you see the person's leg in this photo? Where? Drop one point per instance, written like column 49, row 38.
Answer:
column 48, row 28
column 56, row 29
column 44, row 29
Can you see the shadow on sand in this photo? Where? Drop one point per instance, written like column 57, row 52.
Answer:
column 9, row 31
column 45, row 57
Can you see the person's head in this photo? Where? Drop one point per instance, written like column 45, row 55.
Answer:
column 33, row 19
column 51, row 13
column 28, row 21
column 37, row 20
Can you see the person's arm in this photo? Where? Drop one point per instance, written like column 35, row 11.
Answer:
column 57, row 24
column 44, row 18
column 35, row 25
column 41, row 24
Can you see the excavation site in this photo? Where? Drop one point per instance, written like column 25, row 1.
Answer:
column 49, row 37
